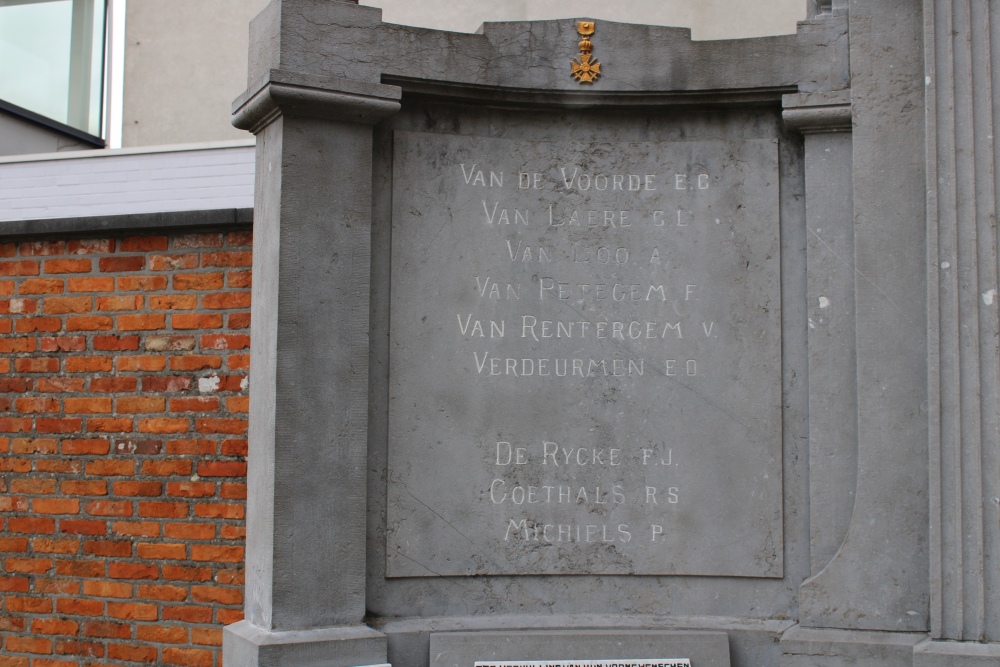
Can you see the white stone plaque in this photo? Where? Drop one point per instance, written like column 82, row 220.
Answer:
column 585, row 358
column 645, row 662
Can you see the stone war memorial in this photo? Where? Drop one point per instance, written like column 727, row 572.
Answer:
column 583, row 343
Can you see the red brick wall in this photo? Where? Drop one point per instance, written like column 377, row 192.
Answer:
column 123, row 419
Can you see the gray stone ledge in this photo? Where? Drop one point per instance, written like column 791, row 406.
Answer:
column 821, row 111
column 500, row 96
column 580, row 621
column 936, row 653
column 822, row 647
column 818, row 119
column 132, row 222
column 316, row 96
column 246, row 645
column 334, row 84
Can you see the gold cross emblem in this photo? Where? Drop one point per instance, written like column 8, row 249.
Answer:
column 585, row 68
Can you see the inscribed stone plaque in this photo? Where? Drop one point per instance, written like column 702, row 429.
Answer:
column 584, row 358
column 647, row 662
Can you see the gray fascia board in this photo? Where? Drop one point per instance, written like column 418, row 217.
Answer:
column 132, row 222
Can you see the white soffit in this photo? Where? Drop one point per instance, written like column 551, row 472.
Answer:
column 116, row 182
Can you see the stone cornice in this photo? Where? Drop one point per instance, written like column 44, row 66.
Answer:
column 296, row 94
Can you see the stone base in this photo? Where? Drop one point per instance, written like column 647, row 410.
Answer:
column 744, row 642
column 804, row 647
column 246, row 645
column 461, row 649
column 956, row 654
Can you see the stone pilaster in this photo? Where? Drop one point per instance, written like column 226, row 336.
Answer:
column 962, row 42
column 824, row 120
column 305, row 587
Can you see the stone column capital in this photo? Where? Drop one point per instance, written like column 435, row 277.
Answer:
column 827, row 111
column 293, row 93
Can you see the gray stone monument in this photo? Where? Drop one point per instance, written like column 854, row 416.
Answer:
column 579, row 340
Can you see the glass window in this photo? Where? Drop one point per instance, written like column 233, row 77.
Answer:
column 52, row 59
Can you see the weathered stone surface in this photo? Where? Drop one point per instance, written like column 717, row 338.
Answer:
column 338, row 39
column 955, row 654
column 802, row 647
column 751, row 445
column 297, row 453
column 886, row 539
column 566, row 598
column 248, row 646
column 963, row 329
column 589, row 335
